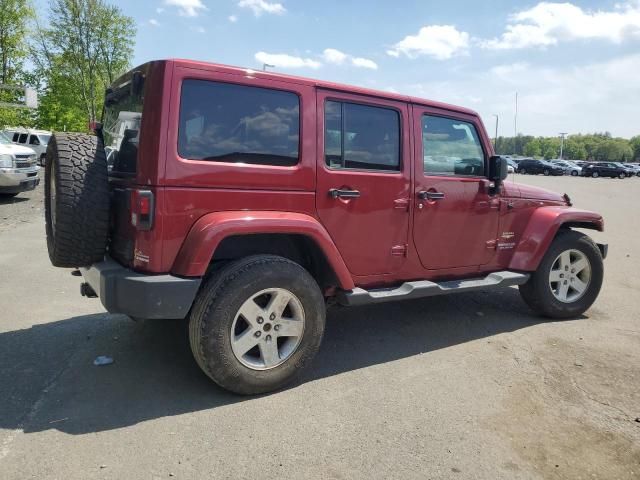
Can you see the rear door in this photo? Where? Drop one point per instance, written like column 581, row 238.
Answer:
column 363, row 179
column 456, row 217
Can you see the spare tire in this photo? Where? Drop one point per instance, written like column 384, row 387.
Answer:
column 76, row 200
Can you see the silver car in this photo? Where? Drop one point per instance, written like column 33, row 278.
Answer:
column 569, row 167
column 18, row 168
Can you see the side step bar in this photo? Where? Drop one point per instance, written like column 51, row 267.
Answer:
column 426, row 288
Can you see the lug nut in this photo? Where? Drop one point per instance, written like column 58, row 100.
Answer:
column 562, row 275
column 258, row 333
column 268, row 338
column 565, row 282
column 260, row 320
column 272, row 316
column 276, row 328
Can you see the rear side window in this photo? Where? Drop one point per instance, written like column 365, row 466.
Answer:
column 451, row 147
column 361, row 136
column 221, row 122
column 23, row 138
column 33, row 140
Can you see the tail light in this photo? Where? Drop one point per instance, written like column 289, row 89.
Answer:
column 142, row 207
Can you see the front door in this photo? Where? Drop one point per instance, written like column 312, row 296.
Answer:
column 363, row 179
column 456, row 215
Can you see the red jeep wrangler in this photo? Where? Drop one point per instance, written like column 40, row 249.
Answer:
column 245, row 201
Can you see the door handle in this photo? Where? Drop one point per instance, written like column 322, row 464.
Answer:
column 425, row 195
column 337, row 193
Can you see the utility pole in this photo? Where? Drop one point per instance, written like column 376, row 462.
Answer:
column 562, row 135
column 495, row 141
column 267, row 65
column 515, row 119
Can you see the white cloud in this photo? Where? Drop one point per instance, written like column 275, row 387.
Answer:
column 282, row 60
column 364, row 63
column 262, row 6
column 199, row 29
column 331, row 55
column 154, row 22
column 233, row 18
column 187, row 8
column 160, row 10
column 438, row 41
column 551, row 100
column 548, row 23
column 336, row 57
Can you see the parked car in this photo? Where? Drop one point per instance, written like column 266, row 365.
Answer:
column 629, row 170
column 36, row 140
column 604, row 169
column 635, row 167
column 535, row 167
column 18, row 168
column 568, row 167
column 249, row 200
column 511, row 165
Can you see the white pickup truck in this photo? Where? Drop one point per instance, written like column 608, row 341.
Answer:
column 18, row 168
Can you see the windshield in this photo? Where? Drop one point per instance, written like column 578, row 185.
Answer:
column 121, row 128
column 44, row 139
column 4, row 140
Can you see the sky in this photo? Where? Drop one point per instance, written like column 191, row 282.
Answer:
column 575, row 66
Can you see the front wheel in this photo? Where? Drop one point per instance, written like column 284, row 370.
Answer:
column 621, row 175
column 574, row 173
column 568, row 279
column 595, row 174
column 523, row 171
column 546, row 172
column 256, row 324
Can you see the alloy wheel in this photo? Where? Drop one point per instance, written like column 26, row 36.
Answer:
column 570, row 276
column 267, row 329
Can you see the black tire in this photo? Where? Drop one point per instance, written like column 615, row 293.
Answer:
column 523, row 171
column 545, row 172
column 595, row 174
column 622, row 175
column 574, row 173
column 215, row 309
column 77, row 219
column 537, row 292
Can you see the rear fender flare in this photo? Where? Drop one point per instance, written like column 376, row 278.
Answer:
column 207, row 232
column 542, row 228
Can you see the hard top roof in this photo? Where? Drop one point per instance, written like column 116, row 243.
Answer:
column 319, row 83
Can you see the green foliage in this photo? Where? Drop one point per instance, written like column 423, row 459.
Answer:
column 15, row 16
column 597, row 146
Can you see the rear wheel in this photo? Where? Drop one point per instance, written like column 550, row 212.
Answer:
column 621, row 175
column 568, row 279
column 574, row 173
column 523, row 171
column 256, row 324
column 595, row 174
column 545, row 172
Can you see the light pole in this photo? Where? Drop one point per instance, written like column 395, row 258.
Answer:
column 267, row 65
column 495, row 141
column 562, row 134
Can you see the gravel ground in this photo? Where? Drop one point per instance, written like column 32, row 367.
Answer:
column 26, row 207
column 471, row 386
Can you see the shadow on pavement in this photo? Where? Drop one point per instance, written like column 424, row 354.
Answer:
column 49, row 382
column 8, row 200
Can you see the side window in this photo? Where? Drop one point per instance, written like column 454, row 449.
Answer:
column 15, row 137
column 23, row 138
column 33, row 140
column 361, row 137
column 451, row 147
column 221, row 122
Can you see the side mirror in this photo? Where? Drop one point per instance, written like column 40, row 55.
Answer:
column 498, row 170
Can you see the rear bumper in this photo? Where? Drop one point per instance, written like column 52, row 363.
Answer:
column 138, row 295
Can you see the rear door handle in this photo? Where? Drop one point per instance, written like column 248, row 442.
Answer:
column 425, row 195
column 337, row 193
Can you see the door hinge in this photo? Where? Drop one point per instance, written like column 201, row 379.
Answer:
column 399, row 250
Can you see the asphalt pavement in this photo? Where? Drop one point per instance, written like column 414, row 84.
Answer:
column 466, row 386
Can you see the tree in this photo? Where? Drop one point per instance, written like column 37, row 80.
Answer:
column 15, row 16
column 533, row 148
column 86, row 47
column 635, row 145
